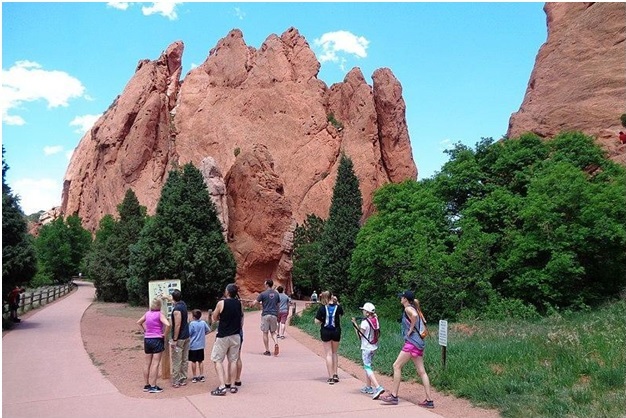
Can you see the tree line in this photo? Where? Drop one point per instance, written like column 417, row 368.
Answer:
column 510, row 228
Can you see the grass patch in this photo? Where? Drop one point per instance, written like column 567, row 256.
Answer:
column 561, row 366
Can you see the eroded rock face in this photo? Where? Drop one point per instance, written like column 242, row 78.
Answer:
column 579, row 79
column 240, row 100
column 217, row 190
column 261, row 218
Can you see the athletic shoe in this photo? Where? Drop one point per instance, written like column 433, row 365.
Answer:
column 267, row 353
column 377, row 392
column 427, row 404
column 155, row 389
column 276, row 349
column 183, row 382
column 368, row 390
column 194, row 380
column 202, row 379
column 146, row 388
column 330, row 381
column 389, row 399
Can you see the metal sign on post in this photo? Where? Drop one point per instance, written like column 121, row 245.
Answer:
column 443, row 339
column 163, row 289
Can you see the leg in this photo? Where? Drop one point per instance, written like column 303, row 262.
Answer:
column 335, row 356
column 154, row 369
column 146, row 368
column 200, row 368
column 419, row 366
column 401, row 360
column 177, row 359
column 266, row 341
column 184, row 366
column 193, row 369
column 219, row 369
column 328, row 356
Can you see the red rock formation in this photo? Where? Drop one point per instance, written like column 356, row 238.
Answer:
column 579, row 78
column 238, row 100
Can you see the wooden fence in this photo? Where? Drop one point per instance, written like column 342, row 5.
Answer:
column 39, row 297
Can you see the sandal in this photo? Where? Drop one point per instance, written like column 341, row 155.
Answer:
column 237, row 383
column 335, row 378
column 234, row 389
column 276, row 349
column 218, row 392
column 330, row 381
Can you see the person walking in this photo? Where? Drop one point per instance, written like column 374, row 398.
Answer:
column 229, row 313
column 198, row 329
column 328, row 316
column 314, row 297
column 180, row 340
column 155, row 327
column 413, row 349
column 284, row 302
column 368, row 331
column 269, row 300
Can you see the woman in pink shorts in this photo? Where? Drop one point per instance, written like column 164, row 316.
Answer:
column 413, row 349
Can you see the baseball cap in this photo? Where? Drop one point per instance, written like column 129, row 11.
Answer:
column 409, row 295
column 369, row 307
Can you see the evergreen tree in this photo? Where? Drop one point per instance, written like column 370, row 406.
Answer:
column 341, row 229
column 19, row 263
column 306, row 252
column 183, row 241
column 61, row 247
column 109, row 260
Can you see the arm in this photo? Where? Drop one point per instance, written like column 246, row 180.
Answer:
column 177, row 323
column 218, row 311
column 412, row 314
column 141, row 321
column 166, row 324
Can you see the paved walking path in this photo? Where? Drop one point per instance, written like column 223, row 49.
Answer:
column 46, row 372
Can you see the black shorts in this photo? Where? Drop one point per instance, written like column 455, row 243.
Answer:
column 196, row 356
column 153, row 345
column 330, row 335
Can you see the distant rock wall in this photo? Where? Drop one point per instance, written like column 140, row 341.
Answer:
column 579, row 79
column 266, row 121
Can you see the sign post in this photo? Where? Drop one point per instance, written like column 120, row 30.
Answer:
column 443, row 340
column 163, row 289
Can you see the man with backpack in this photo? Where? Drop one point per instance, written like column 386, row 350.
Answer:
column 368, row 332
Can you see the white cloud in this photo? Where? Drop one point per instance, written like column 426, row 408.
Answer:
column 120, row 5
column 37, row 194
column 27, row 81
column 84, row 123
column 445, row 144
column 68, row 154
column 239, row 13
column 335, row 44
column 52, row 149
column 167, row 9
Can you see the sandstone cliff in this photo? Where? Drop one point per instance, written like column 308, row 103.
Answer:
column 579, row 78
column 244, row 108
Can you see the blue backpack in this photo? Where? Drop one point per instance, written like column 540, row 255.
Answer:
column 329, row 323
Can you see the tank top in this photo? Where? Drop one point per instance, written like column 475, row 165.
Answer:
column 230, row 318
column 154, row 327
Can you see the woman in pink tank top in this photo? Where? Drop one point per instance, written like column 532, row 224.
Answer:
column 155, row 326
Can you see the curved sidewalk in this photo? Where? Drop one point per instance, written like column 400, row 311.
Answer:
column 46, row 372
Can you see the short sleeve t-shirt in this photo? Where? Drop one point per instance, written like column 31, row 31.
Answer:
column 369, row 333
column 284, row 302
column 197, row 331
column 270, row 300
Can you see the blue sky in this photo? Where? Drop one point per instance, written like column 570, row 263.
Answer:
column 464, row 67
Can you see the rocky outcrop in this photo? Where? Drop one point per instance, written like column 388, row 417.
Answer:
column 261, row 217
column 217, row 190
column 579, row 78
column 239, row 101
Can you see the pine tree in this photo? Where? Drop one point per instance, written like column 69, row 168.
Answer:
column 339, row 236
column 109, row 260
column 183, row 241
column 19, row 263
